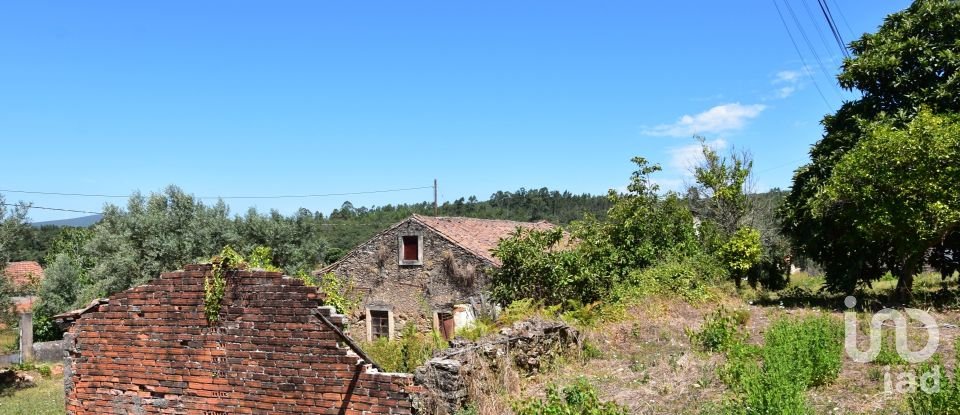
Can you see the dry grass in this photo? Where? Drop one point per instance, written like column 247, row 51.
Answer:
column 649, row 364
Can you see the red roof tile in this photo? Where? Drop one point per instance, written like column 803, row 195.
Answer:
column 23, row 273
column 478, row 236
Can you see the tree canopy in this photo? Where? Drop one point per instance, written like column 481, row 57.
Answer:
column 908, row 65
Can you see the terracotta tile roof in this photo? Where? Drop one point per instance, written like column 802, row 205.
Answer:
column 23, row 273
column 478, row 236
column 24, row 304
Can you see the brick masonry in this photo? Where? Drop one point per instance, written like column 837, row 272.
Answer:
column 150, row 350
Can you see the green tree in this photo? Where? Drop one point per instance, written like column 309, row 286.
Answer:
column 641, row 228
column 908, row 64
column 13, row 222
column 534, row 266
column 901, row 183
column 741, row 253
column 721, row 190
column 154, row 234
column 58, row 293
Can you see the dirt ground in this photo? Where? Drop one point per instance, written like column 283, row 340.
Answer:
column 649, row 364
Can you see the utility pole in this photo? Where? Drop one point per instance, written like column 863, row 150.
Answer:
column 435, row 208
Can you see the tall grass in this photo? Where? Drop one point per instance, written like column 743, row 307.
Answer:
column 773, row 378
column 409, row 350
column 576, row 399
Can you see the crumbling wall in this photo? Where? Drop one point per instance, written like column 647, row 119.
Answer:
column 151, row 350
column 467, row 369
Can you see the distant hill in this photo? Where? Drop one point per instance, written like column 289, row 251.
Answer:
column 82, row 221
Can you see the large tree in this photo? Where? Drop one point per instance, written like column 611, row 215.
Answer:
column 908, row 64
column 902, row 183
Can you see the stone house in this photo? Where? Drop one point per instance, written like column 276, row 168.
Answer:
column 428, row 271
column 273, row 350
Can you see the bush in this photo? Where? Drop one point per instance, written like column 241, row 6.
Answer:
column 576, row 399
column 811, row 349
column 409, row 350
column 721, row 330
column 535, row 267
column 796, row 355
column 946, row 399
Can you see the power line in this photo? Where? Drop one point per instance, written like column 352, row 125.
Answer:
column 802, row 60
column 813, row 19
column 50, row 208
column 844, row 19
column 825, row 9
column 221, row 197
column 813, row 50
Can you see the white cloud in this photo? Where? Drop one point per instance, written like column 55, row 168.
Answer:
column 684, row 158
column 786, row 91
column 721, row 118
column 789, row 81
column 791, row 77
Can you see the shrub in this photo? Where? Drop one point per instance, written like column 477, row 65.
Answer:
column 721, row 330
column 741, row 252
column 811, row 349
column 534, row 267
column 576, row 399
column 796, row 355
column 337, row 292
column 945, row 399
column 409, row 350
column 480, row 328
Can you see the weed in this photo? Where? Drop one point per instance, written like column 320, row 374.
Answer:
column 480, row 328
column 579, row 398
column 407, row 352
column 942, row 400
column 796, row 355
column 720, row 331
column 588, row 351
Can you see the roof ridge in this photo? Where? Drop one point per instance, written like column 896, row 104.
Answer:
column 482, row 219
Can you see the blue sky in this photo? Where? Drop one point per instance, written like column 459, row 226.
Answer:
column 267, row 98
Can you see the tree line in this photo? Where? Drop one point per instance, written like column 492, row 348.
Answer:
column 163, row 231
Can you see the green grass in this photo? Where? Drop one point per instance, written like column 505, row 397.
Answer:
column 44, row 399
column 8, row 340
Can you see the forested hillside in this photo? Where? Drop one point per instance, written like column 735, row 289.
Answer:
column 347, row 226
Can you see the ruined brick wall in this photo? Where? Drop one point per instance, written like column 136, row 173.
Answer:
column 413, row 291
column 150, row 350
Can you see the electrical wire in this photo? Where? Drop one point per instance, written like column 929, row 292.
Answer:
column 843, row 19
column 814, row 21
column 813, row 50
column 802, row 60
column 50, row 208
column 221, row 197
column 825, row 9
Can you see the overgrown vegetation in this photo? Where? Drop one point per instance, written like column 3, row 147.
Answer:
column 215, row 283
column 576, row 399
column 773, row 378
column 941, row 396
column 409, row 350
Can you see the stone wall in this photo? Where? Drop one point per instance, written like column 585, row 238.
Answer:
column 46, row 352
column 525, row 348
column 413, row 293
column 150, row 350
